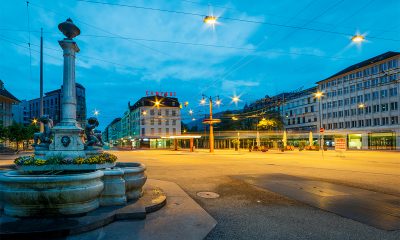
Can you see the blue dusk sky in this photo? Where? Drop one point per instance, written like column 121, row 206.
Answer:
column 257, row 48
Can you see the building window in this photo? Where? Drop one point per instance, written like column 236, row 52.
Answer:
column 375, row 95
column 152, row 112
column 393, row 92
column 367, row 97
column 143, row 121
column 152, row 131
column 352, row 88
column 159, row 131
column 394, row 120
column 384, row 93
column 174, row 131
column 376, row 122
column 159, row 112
column 173, row 112
column 393, row 106
column 143, row 131
column 151, row 122
column 167, row 122
column 167, row 131
column 173, row 122
column 385, row 121
column 384, row 107
column 368, row 122
column 166, row 112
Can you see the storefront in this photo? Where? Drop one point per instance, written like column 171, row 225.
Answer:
column 382, row 141
column 354, row 141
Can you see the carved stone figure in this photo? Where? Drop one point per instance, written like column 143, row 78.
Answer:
column 45, row 136
column 92, row 139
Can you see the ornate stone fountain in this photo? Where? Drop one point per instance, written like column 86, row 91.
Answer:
column 68, row 175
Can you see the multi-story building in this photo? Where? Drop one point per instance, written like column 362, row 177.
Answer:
column 147, row 123
column 152, row 118
column 112, row 133
column 52, row 105
column 20, row 112
column 300, row 111
column 362, row 101
column 6, row 102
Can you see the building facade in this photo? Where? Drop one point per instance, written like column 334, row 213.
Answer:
column 361, row 103
column 300, row 111
column 7, row 100
column 20, row 112
column 52, row 105
column 147, row 123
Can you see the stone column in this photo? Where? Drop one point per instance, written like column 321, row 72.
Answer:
column 68, row 100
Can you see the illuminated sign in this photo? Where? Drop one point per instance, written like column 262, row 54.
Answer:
column 340, row 144
column 161, row 94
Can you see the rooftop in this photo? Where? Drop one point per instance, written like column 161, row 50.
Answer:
column 151, row 100
column 365, row 63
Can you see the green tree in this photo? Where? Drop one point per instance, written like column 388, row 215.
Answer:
column 18, row 133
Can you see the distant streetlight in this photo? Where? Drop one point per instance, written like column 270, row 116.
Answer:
column 34, row 121
column 157, row 103
column 234, row 118
column 144, row 112
column 203, row 101
column 361, row 105
column 190, row 111
column 218, row 101
column 96, row 112
column 193, row 119
column 319, row 94
column 235, row 99
column 358, row 38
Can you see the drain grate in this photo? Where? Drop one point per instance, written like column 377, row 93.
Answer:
column 208, row 194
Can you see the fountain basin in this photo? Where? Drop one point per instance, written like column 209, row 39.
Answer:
column 25, row 195
column 135, row 177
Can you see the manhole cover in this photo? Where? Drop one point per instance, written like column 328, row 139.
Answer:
column 208, row 194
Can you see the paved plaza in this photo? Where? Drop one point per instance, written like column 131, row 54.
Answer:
column 250, row 206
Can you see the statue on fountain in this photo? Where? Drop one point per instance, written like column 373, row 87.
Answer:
column 92, row 137
column 45, row 136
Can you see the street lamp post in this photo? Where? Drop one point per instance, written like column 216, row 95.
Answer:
column 319, row 95
column 211, row 120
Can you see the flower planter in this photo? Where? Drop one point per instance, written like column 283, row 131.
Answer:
column 64, row 167
column 26, row 195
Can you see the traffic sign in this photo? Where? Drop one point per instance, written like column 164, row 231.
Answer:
column 322, row 130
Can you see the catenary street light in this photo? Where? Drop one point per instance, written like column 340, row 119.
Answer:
column 210, row 20
column 358, row 38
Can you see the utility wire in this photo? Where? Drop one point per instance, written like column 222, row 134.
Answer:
column 233, row 19
column 106, row 31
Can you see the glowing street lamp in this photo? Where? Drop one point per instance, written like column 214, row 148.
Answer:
column 235, row 99
column 319, row 94
column 358, row 38
column 34, row 121
column 96, row 112
column 210, row 20
column 203, row 101
column 218, row 101
column 361, row 105
column 157, row 103
column 144, row 112
column 193, row 119
column 234, row 118
column 190, row 111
